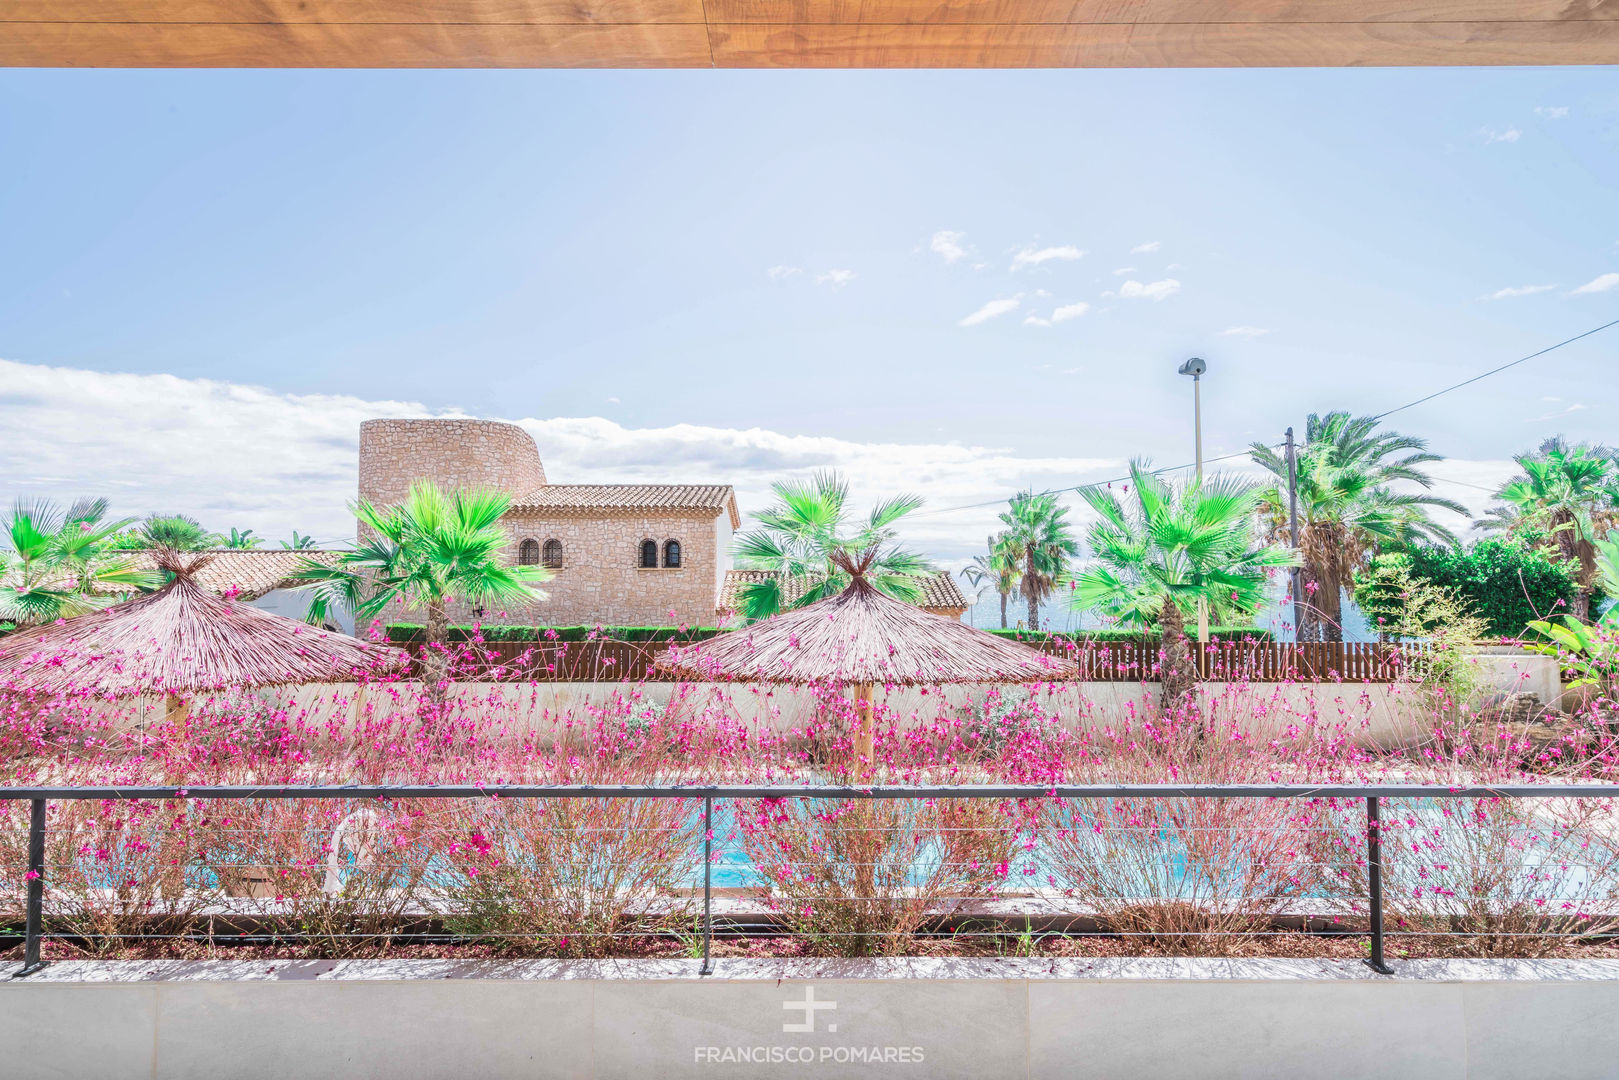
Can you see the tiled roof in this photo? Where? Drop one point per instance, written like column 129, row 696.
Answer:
column 252, row 572
column 941, row 594
column 583, row 498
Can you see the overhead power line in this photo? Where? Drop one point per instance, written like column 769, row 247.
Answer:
column 1276, row 446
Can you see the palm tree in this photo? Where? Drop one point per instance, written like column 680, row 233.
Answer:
column 798, row 539
column 1170, row 549
column 299, row 542
column 1040, row 541
column 176, row 532
column 58, row 563
column 997, row 568
column 431, row 550
column 1569, row 495
column 1348, row 507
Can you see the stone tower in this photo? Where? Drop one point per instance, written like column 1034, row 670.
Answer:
column 452, row 453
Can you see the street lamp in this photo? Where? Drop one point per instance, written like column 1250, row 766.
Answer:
column 1195, row 367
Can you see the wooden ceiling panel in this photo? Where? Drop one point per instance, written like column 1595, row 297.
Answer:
column 1103, row 12
column 805, row 33
column 351, row 45
column 404, row 12
column 1174, row 45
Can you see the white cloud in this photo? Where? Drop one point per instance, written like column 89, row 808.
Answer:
column 1601, row 284
column 1147, row 248
column 949, row 245
column 1153, row 290
column 1244, row 331
column 1031, row 256
column 1551, row 112
column 835, row 278
column 246, row 456
column 1062, row 314
column 1123, row 270
column 1510, row 135
column 781, row 273
column 991, row 310
column 1556, row 414
column 613, row 401
column 1518, row 290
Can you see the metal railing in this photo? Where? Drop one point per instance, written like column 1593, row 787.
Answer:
column 1371, row 795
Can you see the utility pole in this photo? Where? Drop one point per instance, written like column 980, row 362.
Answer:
column 1293, row 532
column 1195, row 367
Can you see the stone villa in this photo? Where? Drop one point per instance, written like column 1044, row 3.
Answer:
column 620, row 554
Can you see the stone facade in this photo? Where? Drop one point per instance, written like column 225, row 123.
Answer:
column 600, row 580
column 454, row 453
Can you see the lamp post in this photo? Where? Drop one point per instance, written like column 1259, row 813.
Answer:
column 1195, row 367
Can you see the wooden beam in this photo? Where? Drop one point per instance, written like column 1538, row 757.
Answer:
column 805, row 33
column 1160, row 45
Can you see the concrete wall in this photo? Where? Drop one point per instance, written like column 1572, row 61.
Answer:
column 1135, row 1019
column 1383, row 714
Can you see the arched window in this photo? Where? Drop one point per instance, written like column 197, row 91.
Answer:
column 528, row 553
column 553, row 555
column 649, row 554
column 671, row 553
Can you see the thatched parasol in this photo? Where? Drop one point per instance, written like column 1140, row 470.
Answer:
column 862, row 637
column 181, row 641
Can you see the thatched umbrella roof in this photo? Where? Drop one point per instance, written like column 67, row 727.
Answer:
column 183, row 640
column 863, row 636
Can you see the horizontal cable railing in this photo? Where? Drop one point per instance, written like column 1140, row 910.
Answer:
column 877, row 874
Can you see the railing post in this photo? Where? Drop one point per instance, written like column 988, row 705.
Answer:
column 708, row 883
column 31, row 961
column 1374, row 878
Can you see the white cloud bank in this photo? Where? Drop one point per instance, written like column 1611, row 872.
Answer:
column 1244, row 331
column 1061, row 314
column 1146, row 249
column 237, row 455
column 835, row 278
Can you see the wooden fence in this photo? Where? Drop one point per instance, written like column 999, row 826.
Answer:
column 1234, row 661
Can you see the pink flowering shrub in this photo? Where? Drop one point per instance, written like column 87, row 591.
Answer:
column 591, row 876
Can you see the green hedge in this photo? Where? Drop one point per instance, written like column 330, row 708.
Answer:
column 1507, row 581
column 405, row 632
column 1224, row 633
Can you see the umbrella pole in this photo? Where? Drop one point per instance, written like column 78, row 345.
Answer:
column 865, row 739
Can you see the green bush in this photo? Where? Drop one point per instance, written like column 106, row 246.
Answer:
column 1223, row 633
column 1506, row 581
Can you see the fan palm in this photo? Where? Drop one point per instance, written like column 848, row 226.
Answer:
column 1348, row 507
column 798, row 539
column 433, row 549
column 1568, row 493
column 1040, row 541
column 997, row 569
column 173, row 532
column 58, row 563
column 1168, row 550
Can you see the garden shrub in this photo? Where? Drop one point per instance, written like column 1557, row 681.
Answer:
column 1506, row 581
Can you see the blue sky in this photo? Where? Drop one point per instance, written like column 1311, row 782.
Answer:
column 592, row 252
